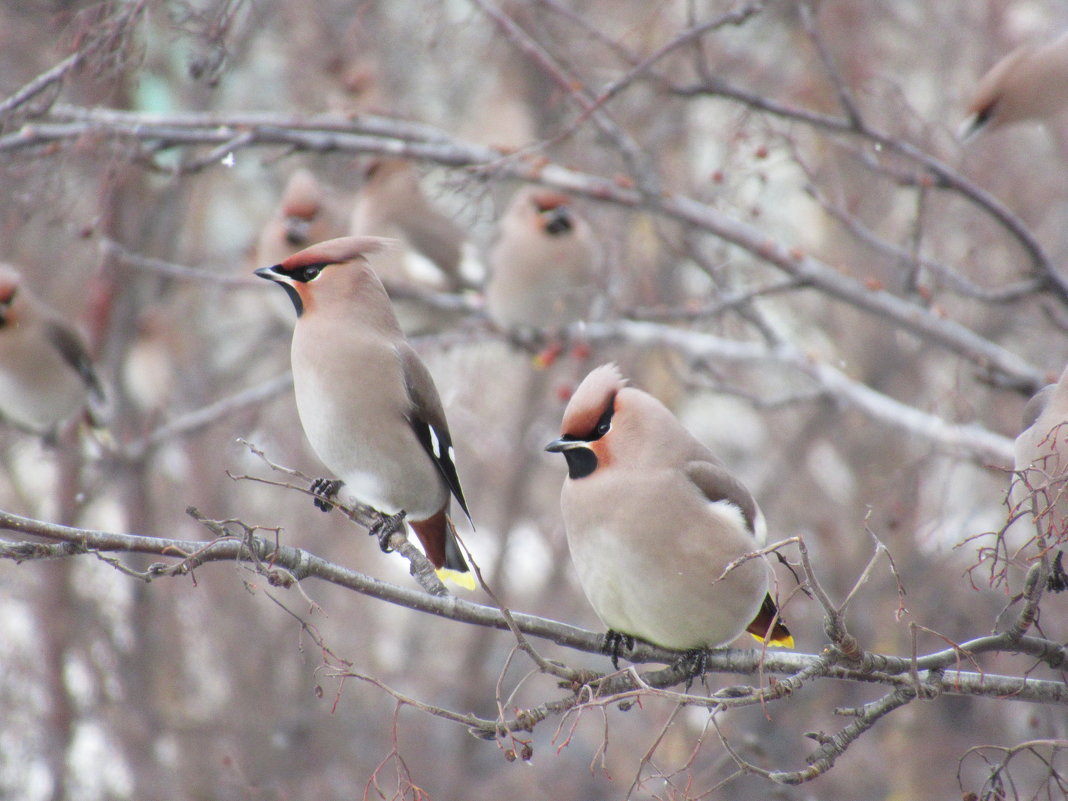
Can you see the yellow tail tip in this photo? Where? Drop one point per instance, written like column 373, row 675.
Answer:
column 465, row 579
column 775, row 642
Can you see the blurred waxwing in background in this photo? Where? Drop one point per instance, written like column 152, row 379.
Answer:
column 300, row 219
column 368, row 404
column 1040, row 483
column 431, row 256
column 148, row 371
column 1030, row 83
column 653, row 519
column 543, row 264
column 46, row 376
column 357, row 89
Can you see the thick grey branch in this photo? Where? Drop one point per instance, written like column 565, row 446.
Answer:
column 300, row 564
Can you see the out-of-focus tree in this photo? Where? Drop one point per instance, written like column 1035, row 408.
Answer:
column 798, row 257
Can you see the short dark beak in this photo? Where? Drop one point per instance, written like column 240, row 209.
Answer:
column 558, row 221
column 561, row 445
column 297, row 229
column 268, row 272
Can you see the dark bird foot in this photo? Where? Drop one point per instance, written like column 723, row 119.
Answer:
column 693, row 664
column 325, row 490
column 614, row 645
column 386, row 527
column 1058, row 579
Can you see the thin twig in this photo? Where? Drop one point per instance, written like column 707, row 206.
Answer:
column 187, row 130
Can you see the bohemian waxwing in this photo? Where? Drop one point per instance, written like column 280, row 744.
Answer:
column 1040, row 482
column 542, row 268
column 653, row 519
column 357, row 88
column 366, row 401
column 45, row 371
column 299, row 219
column 1030, row 83
column 391, row 203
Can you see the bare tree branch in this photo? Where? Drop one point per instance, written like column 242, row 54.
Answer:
column 952, row 279
column 936, row 172
column 973, row 440
column 165, row 131
column 300, row 564
column 199, row 419
column 107, row 35
column 981, row 445
column 999, row 778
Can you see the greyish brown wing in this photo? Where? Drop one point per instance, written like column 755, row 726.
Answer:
column 427, row 418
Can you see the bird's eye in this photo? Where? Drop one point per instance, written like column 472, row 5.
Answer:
column 605, row 423
column 310, row 273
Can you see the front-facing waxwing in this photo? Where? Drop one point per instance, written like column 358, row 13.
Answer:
column 303, row 216
column 1040, row 480
column 653, row 521
column 46, row 375
column 543, row 266
column 366, row 401
column 300, row 218
column 1030, row 83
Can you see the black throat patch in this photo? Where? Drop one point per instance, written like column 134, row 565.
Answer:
column 580, row 462
column 294, row 296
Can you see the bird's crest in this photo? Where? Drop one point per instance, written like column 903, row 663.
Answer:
column 547, row 200
column 303, row 196
column 337, row 251
column 9, row 284
column 593, row 397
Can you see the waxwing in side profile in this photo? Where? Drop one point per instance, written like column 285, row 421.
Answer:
column 367, row 403
column 46, row 375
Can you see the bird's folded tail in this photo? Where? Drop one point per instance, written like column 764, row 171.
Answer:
column 778, row 636
column 438, row 539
